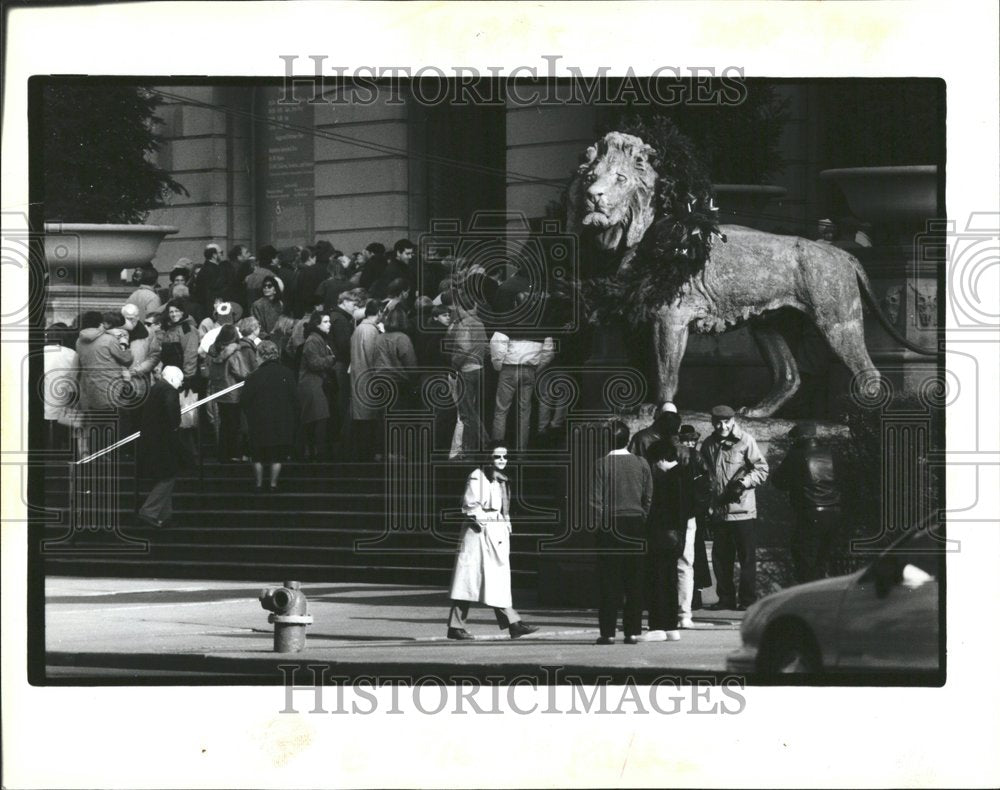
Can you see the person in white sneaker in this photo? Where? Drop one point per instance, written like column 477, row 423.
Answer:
column 671, row 512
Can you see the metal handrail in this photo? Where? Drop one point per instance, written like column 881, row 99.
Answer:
column 137, row 434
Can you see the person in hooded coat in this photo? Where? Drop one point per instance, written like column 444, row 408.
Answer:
column 482, row 566
column 104, row 358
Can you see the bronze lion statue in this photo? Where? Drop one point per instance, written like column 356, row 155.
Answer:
column 612, row 203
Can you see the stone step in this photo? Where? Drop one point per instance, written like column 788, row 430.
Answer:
column 264, row 572
column 250, row 521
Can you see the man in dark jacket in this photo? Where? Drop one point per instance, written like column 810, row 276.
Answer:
column 310, row 274
column 435, row 360
column 160, row 446
column 809, row 477
column 399, row 266
column 261, row 269
column 505, row 297
column 666, row 424
column 373, row 266
column 620, row 499
column 339, row 339
column 211, row 282
column 673, row 509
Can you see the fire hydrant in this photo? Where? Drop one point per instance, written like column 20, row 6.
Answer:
column 290, row 616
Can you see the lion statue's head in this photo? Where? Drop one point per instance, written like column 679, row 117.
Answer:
column 645, row 212
column 612, row 196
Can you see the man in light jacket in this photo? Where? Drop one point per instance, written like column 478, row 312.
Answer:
column 736, row 467
column 466, row 340
column 517, row 359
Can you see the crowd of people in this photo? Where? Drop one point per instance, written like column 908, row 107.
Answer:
column 654, row 498
column 293, row 346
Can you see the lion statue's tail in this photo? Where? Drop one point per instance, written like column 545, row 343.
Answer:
column 869, row 295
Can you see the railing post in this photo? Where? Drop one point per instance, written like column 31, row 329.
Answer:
column 201, row 457
column 135, row 482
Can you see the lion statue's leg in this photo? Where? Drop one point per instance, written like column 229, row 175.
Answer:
column 785, row 379
column 847, row 339
column 670, row 336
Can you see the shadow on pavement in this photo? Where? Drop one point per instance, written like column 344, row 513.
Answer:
column 324, row 593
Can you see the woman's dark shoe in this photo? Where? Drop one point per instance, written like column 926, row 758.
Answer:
column 521, row 628
column 631, row 640
column 605, row 640
column 460, row 634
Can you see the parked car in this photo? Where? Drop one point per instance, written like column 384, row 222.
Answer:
column 884, row 618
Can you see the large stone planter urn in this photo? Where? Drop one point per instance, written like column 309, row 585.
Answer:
column 96, row 253
column 85, row 262
column 888, row 194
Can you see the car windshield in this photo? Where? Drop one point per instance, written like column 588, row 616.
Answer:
column 916, row 556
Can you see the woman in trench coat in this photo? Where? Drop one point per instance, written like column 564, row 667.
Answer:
column 482, row 567
column 315, row 374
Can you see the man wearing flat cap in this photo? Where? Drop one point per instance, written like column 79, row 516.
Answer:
column 736, row 467
column 807, row 473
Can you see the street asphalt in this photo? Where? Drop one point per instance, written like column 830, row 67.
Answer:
column 110, row 630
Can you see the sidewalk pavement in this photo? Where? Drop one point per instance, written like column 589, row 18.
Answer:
column 107, row 629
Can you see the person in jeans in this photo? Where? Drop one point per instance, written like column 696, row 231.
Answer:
column 620, row 500
column 808, row 475
column 517, row 357
column 687, row 449
column 736, row 467
column 467, row 342
column 670, row 539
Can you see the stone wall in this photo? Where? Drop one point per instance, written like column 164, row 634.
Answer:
column 208, row 152
column 364, row 194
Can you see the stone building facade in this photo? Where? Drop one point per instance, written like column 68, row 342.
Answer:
column 260, row 170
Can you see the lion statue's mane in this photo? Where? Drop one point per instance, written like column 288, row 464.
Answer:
column 670, row 224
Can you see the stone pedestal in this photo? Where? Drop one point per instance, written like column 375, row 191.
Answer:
column 66, row 302
column 607, row 364
column 901, row 204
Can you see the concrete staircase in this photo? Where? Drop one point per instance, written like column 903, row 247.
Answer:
column 362, row 522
